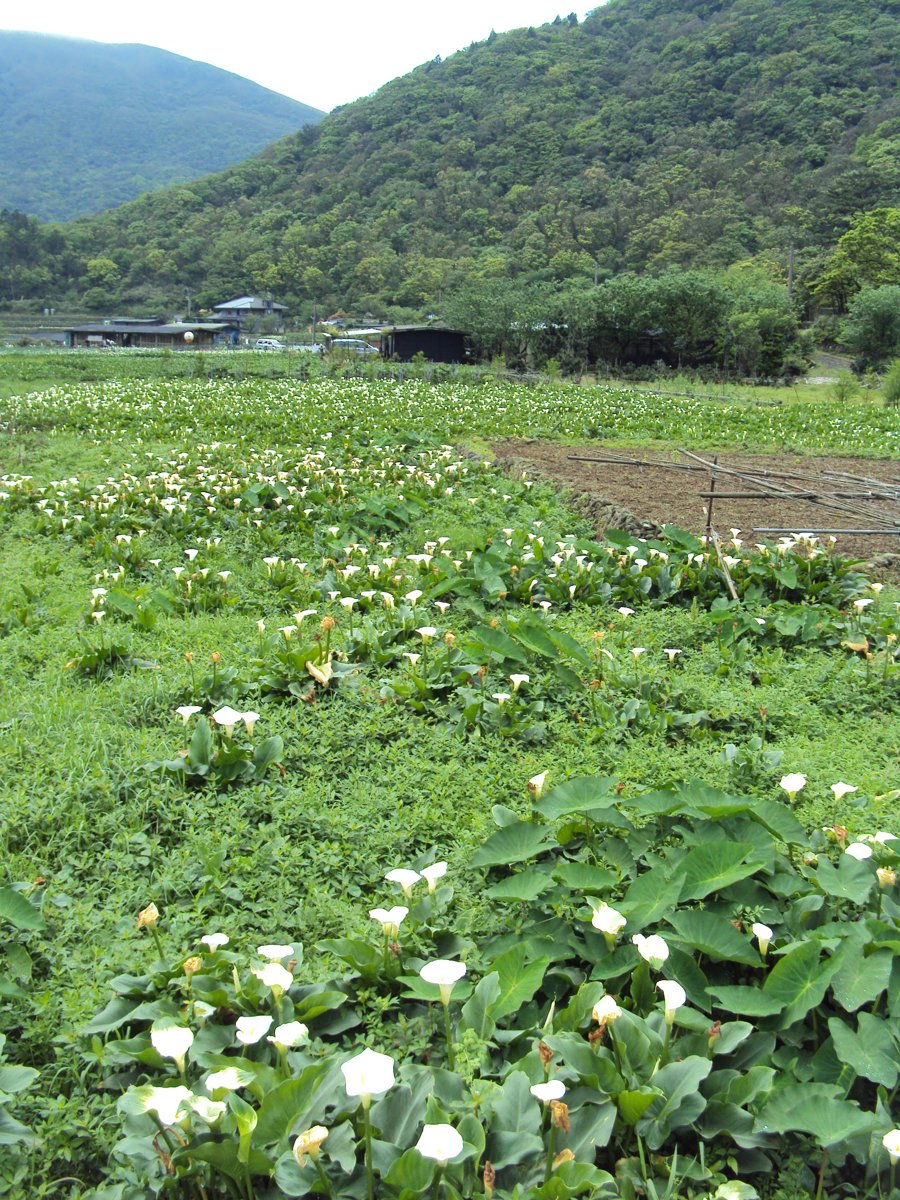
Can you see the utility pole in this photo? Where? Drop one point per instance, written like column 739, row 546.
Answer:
column 790, row 278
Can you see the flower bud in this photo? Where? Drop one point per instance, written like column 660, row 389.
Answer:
column 192, row 965
column 488, row 1179
column 148, row 916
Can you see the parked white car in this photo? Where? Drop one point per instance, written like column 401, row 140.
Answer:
column 269, row 344
column 353, row 346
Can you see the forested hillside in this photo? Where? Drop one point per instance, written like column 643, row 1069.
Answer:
column 656, row 133
column 87, row 126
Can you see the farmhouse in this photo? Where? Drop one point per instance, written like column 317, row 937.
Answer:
column 153, row 333
column 248, row 311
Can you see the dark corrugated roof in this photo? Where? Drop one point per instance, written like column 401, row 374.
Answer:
column 116, row 327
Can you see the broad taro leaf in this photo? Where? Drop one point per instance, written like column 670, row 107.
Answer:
column 717, row 865
column 680, row 1083
column 578, row 795
column 513, row 843
column 519, row 980
column 814, row 1108
column 799, row 981
column 715, row 936
column 870, row 1051
column 18, row 910
column 860, row 979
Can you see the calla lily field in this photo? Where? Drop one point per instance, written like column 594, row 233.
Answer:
column 374, row 826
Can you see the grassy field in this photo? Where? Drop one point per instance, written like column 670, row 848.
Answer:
column 414, row 636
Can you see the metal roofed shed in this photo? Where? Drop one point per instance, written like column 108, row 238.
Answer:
column 154, row 335
column 438, row 343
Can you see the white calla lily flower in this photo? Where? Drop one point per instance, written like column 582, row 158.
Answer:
column 171, row 1041
column 445, row 973
column 275, row 952
column 251, row 1029
column 368, row 1074
column 674, row 996
column 215, row 941
column 440, row 1143
column 390, row 918
column 606, row 1010
column 405, row 877
column 433, row 873
column 651, row 949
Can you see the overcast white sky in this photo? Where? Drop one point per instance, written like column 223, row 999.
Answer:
column 321, row 55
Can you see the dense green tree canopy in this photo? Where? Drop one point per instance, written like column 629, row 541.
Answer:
column 655, row 134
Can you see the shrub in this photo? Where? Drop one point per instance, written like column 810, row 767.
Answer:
column 890, row 386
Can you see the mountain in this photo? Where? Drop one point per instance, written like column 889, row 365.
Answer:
column 86, row 126
column 655, row 133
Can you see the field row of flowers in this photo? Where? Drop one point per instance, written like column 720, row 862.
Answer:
column 460, row 626
column 144, row 410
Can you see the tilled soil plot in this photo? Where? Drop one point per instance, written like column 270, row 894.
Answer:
column 642, row 498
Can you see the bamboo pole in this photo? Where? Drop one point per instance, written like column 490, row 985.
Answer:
column 859, row 511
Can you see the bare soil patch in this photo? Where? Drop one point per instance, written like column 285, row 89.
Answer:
column 643, row 498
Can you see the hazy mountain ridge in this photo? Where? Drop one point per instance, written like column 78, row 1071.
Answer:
column 87, row 126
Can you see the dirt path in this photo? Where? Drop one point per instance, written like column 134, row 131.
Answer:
column 641, row 498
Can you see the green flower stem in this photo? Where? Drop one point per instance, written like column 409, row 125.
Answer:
column 324, row 1178
column 664, row 1057
column 615, row 1046
column 157, row 939
column 822, row 1166
column 166, row 1137
column 451, row 1062
column 370, row 1190
column 641, row 1156
column 436, row 1184
column 172, row 1147
column 551, row 1138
